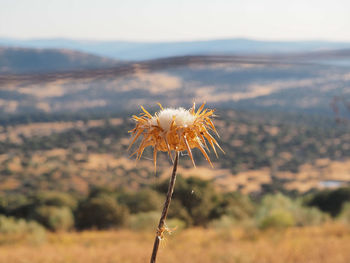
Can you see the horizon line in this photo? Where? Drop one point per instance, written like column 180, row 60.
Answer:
column 173, row 41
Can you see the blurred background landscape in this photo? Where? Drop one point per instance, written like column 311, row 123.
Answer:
column 68, row 89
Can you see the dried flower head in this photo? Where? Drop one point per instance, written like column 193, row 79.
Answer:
column 175, row 129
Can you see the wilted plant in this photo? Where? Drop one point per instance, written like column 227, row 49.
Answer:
column 174, row 130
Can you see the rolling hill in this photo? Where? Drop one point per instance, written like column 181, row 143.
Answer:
column 31, row 60
column 304, row 82
column 126, row 50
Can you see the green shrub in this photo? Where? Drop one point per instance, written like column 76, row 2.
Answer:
column 14, row 205
column 277, row 219
column 96, row 191
column 290, row 212
column 149, row 221
column 344, row 215
column 223, row 222
column 18, row 230
column 176, row 224
column 52, row 198
column 144, row 221
column 330, row 201
column 178, row 211
column 101, row 212
column 54, row 218
column 309, row 216
column 58, row 212
column 142, row 201
column 196, row 195
column 235, row 205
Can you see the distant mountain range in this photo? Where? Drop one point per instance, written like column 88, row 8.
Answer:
column 30, row 60
column 123, row 50
column 15, row 60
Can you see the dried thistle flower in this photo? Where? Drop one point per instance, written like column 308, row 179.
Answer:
column 175, row 129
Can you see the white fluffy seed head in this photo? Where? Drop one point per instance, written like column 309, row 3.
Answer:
column 182, row 118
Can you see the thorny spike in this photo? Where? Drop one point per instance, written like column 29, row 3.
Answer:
column 155, row 158
column 147, row 113
column 133, row 154
column 210, row 138
column 200, row 109
column 172, row 122
column 135, row 138
column 213, row 147
column 213, row 127
column 205, row 155
column 204, row 113
column 188, row 150
column 141, row 119
column 203, row 141
column 160, row 106
column 193, row 108
column 168, row 147
column 142, row 147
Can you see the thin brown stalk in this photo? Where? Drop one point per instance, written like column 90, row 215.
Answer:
column 161, row 228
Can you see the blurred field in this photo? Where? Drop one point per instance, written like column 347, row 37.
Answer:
column 330, row 243
column 71, row 153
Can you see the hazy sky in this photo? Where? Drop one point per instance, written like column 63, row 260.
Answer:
column 168, row 20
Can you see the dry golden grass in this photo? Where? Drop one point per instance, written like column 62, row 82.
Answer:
column 327, row 244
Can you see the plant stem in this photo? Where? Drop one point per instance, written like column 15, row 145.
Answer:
column 165, row 210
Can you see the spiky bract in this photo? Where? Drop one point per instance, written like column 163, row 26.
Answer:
column 175, row 130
